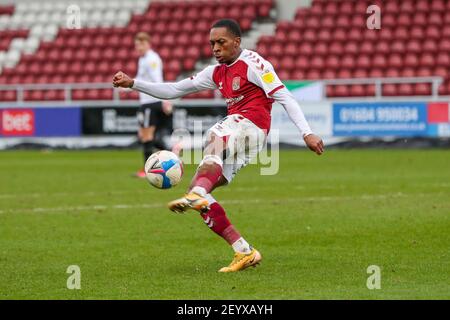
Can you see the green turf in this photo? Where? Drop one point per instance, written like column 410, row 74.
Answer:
column 319, row 223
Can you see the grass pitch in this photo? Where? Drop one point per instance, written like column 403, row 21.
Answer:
column 319, row 223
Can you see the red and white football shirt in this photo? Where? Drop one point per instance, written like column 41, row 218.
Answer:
column 247, row 86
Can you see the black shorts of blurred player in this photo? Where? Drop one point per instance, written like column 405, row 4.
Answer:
column 155, row 126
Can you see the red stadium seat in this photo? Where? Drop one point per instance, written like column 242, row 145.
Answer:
column 411, row 60
column 8, row 96
column 287, row 62
column 317, row 62
column 404, row 20
column 305, row 49
column 341, row 91
column 301, row 63
column 351, row 48
column 427, row 60
column 424, row 72
column 441, row 72
column 327, row 22
column 313, row 75
column 444, row 89
column 405, row 89
column 344, row 74
column 389, row 20
column 417, row 33
column 376, row 73
column 389, row 90
column 360, row 73
column 298, row 75
column 392, row 73
column 406, row 6
column 395, row 60
column 355, row 34
column 324, row 35
column 336, row 48
column 343, row 21
column 357, row 91
column 443, row 59
column 321, row 49
column 398, row 47
column 283, row 74
column 363, row 61
column 401, row 33
column 331, row 8
column 367, row 48
column 432, row 32
column 408, row 72
column 348, row 62
column 329, row 74
column 379, row 61
column 422, row 89
column 430, row 46
column 414, row 46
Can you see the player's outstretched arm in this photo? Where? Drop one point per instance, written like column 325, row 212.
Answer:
column 166, row 90
column 285, row 98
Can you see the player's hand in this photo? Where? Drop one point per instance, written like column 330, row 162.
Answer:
column 121, row 79
column 167, row 107
column 314, row 143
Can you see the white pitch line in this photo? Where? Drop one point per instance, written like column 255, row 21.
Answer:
column 142, row 191
column 241, row 201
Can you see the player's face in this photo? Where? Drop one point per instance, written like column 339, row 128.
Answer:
column 224, row 44
column 141, row 47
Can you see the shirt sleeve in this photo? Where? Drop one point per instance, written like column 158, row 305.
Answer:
column 287, row 100
column 264, row 76
column 165, row 90
column 204, row 79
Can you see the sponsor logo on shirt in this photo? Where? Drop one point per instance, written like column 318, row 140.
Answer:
column 268, row 77
column 232, row 101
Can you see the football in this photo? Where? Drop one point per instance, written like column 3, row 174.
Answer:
column 164, row 169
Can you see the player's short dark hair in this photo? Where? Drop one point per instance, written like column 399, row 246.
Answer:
column 142, row 36
column 231, row 25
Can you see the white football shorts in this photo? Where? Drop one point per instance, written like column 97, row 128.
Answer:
column 242, row 139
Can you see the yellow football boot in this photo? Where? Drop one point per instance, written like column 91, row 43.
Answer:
column 189, row 201
column 242, row 261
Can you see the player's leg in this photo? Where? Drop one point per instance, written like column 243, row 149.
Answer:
column 207, row 177
column 145, row 134
column 216, row 219
column 210, row 170
column 163, row 126
column 225, row 140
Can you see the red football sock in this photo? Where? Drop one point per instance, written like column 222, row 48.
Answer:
column 217, row 221
column 207, row 178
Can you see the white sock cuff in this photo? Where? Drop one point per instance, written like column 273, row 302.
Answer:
column 210, row 198
column 200, row 191
column 241, row 246
column 212, row 158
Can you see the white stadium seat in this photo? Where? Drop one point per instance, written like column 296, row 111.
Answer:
column 31, row 44
column 4, row 22
column 50, row 32
column 11, row 59
column 17, row 44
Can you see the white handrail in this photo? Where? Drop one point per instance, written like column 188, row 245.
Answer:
column 69, row 87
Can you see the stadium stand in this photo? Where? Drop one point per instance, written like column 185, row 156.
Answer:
column 330, row 40
column 37, row 48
